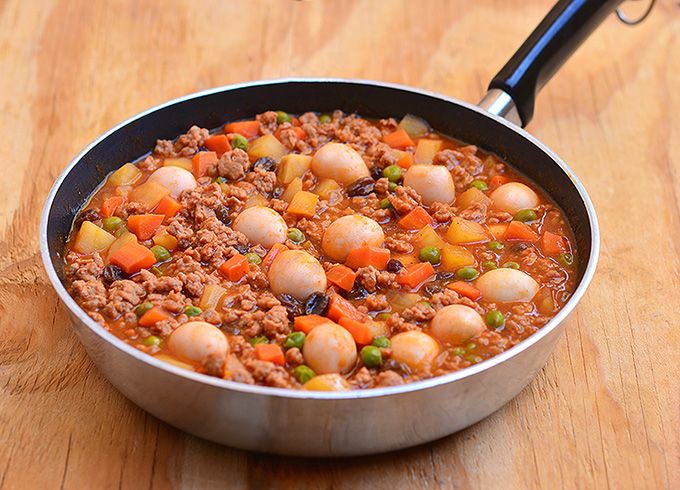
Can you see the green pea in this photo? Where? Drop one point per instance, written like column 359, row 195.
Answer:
column 385, row 204
column 566, row 259
column 253, row 258
column 494, row 319
column 471, row 346
column 122, row 229
column 467, row 273
column 459, row 351
column 371, row 356
column 393, row 173
column 324, row 118
column 220, row 180
column 294, row 339
column 473, row 359
column 160, row 252
column 511, row 265
column 392, row 186
column 192, row 310
column 303, row 373
column 156, row 271
column 526, row 215
column 112, row 223
column 430, row 254
column 381, row 342
column 424, row 304
column 241, row 142
column 260, row 339
column 295, row 235
column 489, row 265
column 143, row 308
column 479, row 184
column 151, row 340
column 282, row 117
column 495, row 246
column 383, row 316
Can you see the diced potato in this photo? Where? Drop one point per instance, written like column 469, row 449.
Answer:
column 292, row 166
column 327, row 382
column 184, row 163
column 91, row 238
column 401, row 300
column 303, row 204
column 377, row 328
column 454, row 257
column 325, row 188
column 415, row 126
column 212, row 294
column 470, row 196
column 465, row 231
column 426, row 150
column 256, row 199
column 125, row 175
column 428, row 237
column 293, row 188
column 165, row 239
column 498, row 230
column 267, row 146
column 174, row 362
column 149, row 194
column 544, row 301
column 120, row 241
column 406, row 259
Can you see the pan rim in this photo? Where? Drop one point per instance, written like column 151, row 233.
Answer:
column 416, row 386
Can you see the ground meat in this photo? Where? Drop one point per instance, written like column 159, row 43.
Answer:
column 475, row 212
column 362, row 379
column 381, row 155
column 83, row 268
column 287, row 134
column 441, row 212
column 278, row 205
column 369, row 206
column 263, row 180
column 388, row 378
column 91, row 295
column 376, row 302
column 276, row 324
column 122, row 297
column 418, row 313
column 153, row 284
column 381, row 186
column 371, row 278
column 399, row 243
column 495, row 216
column 269, row 373
column 450, row 297
column 213, row 365
column 404, row 200
column 395, row 323
column 215, row 242
column 187, row 269
column 184, row 146
column 257, row 278
column 233, row 164
column 268, row 122
column 294, row 357
column 236, row 371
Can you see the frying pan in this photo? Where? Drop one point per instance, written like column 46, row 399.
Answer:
column 364, row 421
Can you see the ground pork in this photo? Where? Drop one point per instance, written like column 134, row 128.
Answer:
column 233, row 164
column 371, row 278
column 404, row 200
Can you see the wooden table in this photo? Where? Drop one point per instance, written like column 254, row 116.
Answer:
column 605, row 412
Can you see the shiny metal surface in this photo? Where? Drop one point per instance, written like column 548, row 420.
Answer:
column 319, row 423
column 499, row 103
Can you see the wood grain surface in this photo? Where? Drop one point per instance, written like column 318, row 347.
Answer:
column 604, row 413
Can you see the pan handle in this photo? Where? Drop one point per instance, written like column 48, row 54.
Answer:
column 513, row 90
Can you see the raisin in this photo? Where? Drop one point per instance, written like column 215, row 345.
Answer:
column 431, row 288
column 376, row 173
column 361, row 187
column 445, row 276
column 293, row 305
column 266, row 163
column 111, row 274
column 316, row 304
column 87, row 215
column 357, row 292
column 222, row 214
column 242, row 249
column 393, row 265
column 520, row 247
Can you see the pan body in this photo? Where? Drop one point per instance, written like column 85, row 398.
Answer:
column 302, row 423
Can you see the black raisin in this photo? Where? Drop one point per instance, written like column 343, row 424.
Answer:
column 266, row 163
column 222, row 214
column 112, row 273
column 393, row 265
column 361, row 187
column 432, row 288
column 316, row 304
column 202, row 148
column 445, row 276
column 276, row 193
column 519, row 247
column 357, row 292
column 376, row 173
column 293, row 305
column 87, row 215
column 242, row 249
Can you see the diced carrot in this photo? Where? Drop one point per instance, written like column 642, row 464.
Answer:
column 234, row 268
column 296, row 121
column 249, row 129
column 465, row 289
column 554, row 244
column 276, row 249
column 306, row 323
column 168, row 207
column 132, row 257
column 339, row 307
column 270, row 352
column 365, row 256
column 359, row 330
column 110, row 204
column 416, row 219
column 498, row 180
column 415, row 274
column 398, row 139
column 153, row 316
column 518, row 231
column 405, row 161
column 498, row 230
column 203, row 162
column 341, row 276
column 218, row 143
column 145, row 225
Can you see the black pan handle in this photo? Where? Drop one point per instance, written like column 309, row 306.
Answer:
column 558, row 35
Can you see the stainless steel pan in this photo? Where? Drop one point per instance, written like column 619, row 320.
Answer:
column 357, row 422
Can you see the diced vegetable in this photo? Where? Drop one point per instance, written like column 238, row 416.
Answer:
column 153, row 316
column 125, row 175
column 359, row 330
column 184, row 163
column 339, row 307
column 212, row 294
column 544, row 301
column 256, row 199
column 415, row 274
column 234, row 268
column 472, row 196
column 91, row 238
column 325, row 188
column 405, row 159
column 498, row 180
column 276, row 249
column 267, row 146
column 292, row 166
column 303, row 204
column 218, row 143
column 414, row 126
column 400, row 300
column 293, row 188
column 109, row 205
column 203, row 163
column 377, row 327
column 124, row 237
column 554, row 244
column 342, row 276
column 428, row 237
column 145, row 225
column 132, row 257
column 455, row 257
column 306, row 323
column 465, row 289
column 165, row 239
column 498, row 231
column 270, row 353
column 367, row 256
column 465, row 231
column 168, row 206
column 398, row 139
column 149, row 194
column 518, row 231
column 249, row 129
column 426, row 150
column 416, row 219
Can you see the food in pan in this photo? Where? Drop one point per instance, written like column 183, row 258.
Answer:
column 320, row 252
